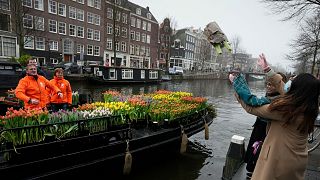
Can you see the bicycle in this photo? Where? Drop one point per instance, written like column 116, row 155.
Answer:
column 314, row 137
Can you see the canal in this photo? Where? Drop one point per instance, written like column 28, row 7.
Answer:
column 204, row 158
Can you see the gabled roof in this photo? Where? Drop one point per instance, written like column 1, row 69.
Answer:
column 132, row 6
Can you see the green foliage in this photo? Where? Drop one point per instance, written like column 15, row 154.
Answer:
column 23, row 59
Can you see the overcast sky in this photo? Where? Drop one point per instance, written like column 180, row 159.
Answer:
column 252, row 21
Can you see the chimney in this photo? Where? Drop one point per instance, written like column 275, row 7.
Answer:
column 148, row 8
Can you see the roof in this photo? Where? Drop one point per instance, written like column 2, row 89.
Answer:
column 132, row 6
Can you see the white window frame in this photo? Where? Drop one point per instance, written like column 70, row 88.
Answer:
column 62, row 7
column 90, row 47
column 109, row 44
column 53, row 45
column 89, row 33
column 112, row 74
column 52, row 7
column 80, row 14
column 26, row 18
column 80, row 30
column 149, row 16
column 74, row 27
column 138, row 23
column 153, row 74
column 27, row 40
column 149, row 27
column 80, row 48
column 72, row 12
column 127, row 73
column 124, row 32
column 39, row 6
column 138, row 11
column 109, row 28
column 133, row 21
column 64, row 30
column 144, row 25
column 52, row 25
column 143, row 74
column 43, row 43
column 38, row 23
column 27, row 3
column 124, row 18
column 96, row 35
column 96, row 51
column 123, row 46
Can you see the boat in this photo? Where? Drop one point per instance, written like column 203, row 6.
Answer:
column 122, row 75
column 55, row 157
column 253, row 77
column 40, row 147
column 9, row 74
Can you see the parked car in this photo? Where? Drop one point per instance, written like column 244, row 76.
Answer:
column 69, row 67
column 88, row 67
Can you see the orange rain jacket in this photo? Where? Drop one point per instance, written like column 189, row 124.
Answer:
column 29, row 87
column 65, row 88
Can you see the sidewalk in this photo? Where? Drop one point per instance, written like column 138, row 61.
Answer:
column 312, row 173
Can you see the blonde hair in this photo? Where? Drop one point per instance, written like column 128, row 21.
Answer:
column 57, row 70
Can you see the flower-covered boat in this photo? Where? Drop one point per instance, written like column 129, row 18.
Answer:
column 37, row 143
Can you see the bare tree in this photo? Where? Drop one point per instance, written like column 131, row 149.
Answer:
column 294, row 8
column 235, row 44
column 306, row 45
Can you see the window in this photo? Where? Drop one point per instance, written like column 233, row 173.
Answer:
column 52, row 7
column 90, row 50
column 67, row 46
column 127, row 73
column 143, row 50
column 143, row 37
column 149, row 15
column 118, row 16
column 144, row 25
column 153, row 74
column 124, row 18
column 117, row 31
column 72, row 30
column 80, row 32
column 5, row 22
column 72, row 12
column 143, row 74
column 27, row 3
column 109, row 13
column 54, row 61
column 28, row 21
column 109, row 28
column 89, row 33
column 132, row 49
column 38, row 4
column 109, row 44
column 133, row 22
column 62, row 28
column 80, row 15
column 28, row 42
column 53, row 45
column 112, row 74
column 39, row 23
column 138, row 23
column 94, row 3
column 138, row 11
column 117, row 46
column 80, row 1
column 9, row 46
column 62, row 9
column 96, row 35
column 148, row 51
column 118, row 2
column 96, row 19
column 149, row 27
column 132, row 35
column 80, row 48
column 124, row 32
column 90, row 17
column 137, row 36
column 40, row 43
column 123, row 46
column 52, row 26
column 4, row 5
column 137, row 50
column 148, row 39
column 96, row 51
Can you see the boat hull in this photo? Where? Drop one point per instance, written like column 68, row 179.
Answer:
column 68, row 156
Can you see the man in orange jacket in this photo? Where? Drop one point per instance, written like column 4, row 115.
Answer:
column 32, row 89
column 65, row 87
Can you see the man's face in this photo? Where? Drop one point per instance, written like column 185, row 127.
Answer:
column 33, row 62
column 31, row 70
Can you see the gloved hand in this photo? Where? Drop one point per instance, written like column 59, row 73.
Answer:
column 60, row 95
column 262, row 62
column 231, row 77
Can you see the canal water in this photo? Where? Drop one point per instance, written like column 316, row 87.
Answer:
column 204, row 158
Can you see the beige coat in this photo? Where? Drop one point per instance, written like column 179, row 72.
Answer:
column 284, row 153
